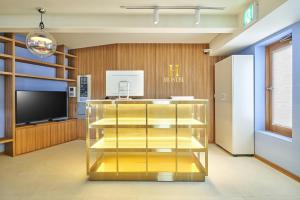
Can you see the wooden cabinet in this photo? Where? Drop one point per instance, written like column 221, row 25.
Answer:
column 25, row 139
column 234, row 104
column 57, row 133
column 81, row 129
column 40, row 136
column 71, row 132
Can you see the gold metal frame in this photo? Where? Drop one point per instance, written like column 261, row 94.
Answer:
column 115, row 154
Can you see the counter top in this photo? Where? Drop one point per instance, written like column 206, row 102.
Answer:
column 147, row 101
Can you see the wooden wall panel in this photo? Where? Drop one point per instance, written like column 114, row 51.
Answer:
column 196, row 67
column 96, row 61
column 139, row 57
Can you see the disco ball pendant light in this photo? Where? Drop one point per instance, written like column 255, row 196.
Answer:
column 40, row 42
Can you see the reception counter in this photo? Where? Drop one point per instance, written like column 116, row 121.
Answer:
column 158, row 140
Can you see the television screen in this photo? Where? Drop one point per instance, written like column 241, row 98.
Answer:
column 34, row 106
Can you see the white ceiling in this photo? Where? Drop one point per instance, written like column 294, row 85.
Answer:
column 282, row 15
column 83, row 23
column 112, row 6
column 80, row 40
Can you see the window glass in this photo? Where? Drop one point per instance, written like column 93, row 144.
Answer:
column 282, row 86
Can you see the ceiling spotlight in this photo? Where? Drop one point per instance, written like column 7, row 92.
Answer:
column 40, row 42
column 155, row 16
column 197, row 16
column 157, row 8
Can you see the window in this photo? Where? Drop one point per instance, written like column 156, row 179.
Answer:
column 279, row 88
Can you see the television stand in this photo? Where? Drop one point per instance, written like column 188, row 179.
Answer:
column 35, row 136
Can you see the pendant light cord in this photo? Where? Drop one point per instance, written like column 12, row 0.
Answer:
column 41, row 25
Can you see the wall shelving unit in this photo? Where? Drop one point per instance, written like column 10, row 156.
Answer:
column 160, row 140
column 65, row 71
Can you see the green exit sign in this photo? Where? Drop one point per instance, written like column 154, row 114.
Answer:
column 250, row 14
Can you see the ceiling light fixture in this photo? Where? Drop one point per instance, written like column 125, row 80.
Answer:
column 40, row 42
column 155, row 16
column 197, row 16
column 172, row 7
column 157, row 8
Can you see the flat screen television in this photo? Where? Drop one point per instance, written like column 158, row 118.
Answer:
column 37, row 106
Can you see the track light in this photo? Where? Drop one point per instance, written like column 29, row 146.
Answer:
column 197, row 16
column 155, row 15
column 157, row 8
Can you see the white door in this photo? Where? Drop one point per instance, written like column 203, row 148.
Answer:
column 243, row 101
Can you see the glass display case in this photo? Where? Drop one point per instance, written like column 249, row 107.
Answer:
column 162, row 140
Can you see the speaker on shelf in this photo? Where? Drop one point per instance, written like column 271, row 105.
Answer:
column 83, row 88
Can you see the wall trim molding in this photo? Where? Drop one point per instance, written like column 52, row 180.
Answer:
column 278, row 168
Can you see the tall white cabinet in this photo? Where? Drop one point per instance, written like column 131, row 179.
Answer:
column 234, row 104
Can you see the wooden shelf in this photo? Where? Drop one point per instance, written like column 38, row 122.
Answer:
column 5, row 39
column 43, row 77
column 70, row 80
column 5, row 56
column 20, row 44
column 5, row 73
column 70, row 55
column 37, row 62
column 10, row 42
column 5, row 140
column 70, row 68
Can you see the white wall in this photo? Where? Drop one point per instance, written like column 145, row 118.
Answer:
column 280, row 150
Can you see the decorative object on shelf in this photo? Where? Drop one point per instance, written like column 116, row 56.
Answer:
column 41, row 42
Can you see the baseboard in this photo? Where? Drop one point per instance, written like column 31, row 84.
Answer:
column 235, row 155
column 278, row 168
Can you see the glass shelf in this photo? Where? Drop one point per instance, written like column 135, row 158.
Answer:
column 152, row 123
column 160, row 144
column 160, row 140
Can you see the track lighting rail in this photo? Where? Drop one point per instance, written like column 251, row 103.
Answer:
column 173, row 7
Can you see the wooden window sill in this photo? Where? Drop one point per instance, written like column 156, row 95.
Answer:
column 275, row 135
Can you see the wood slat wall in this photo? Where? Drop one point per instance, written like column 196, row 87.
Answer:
column 196, row 67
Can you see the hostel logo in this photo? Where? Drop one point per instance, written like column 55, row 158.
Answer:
column 173, row 75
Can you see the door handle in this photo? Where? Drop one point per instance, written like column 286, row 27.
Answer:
column 270, row 88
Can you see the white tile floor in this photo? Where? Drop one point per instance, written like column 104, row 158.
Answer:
column 59, row 173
